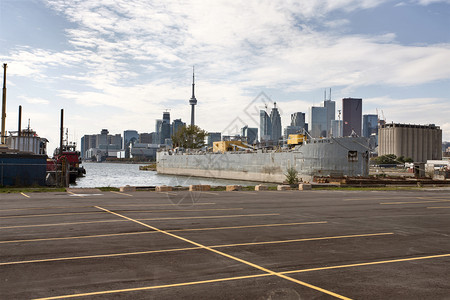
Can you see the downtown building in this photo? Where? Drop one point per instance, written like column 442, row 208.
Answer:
column 351, row 116
column 321, row 118
column 101, row 146
column 275, row 119
column 250, row 134
column 265, row 126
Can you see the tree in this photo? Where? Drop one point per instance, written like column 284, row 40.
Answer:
column 388, row 159
column 189, row 137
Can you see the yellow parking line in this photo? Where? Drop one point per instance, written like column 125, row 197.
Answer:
column 248, row 226
column 62, row 207
column 130, row 211
column 93, row 256
column 146, row 219
column 229, row 256
column 156, row 287
column 25, row 195
column 378, row 198
column 413, row 202
column 75, row 237
column 438, row 207
column 146, row 232
column 240, row 277
column 368, row 263
column 210, row 193
column 304, row 240
column 119, row 193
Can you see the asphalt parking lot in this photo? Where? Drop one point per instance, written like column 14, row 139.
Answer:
column 226, row 245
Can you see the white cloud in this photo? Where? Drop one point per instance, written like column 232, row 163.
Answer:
column 428, row 2
column 135, row 56
column 31, row 100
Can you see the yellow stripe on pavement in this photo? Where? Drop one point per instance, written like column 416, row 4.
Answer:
column 240, row 277
column 228, row 256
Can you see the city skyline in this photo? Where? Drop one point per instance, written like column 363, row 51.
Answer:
column 119, row 65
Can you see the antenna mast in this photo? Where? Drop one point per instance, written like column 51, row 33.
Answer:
column 2, row 134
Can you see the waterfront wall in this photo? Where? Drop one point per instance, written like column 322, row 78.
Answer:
column 321, row 157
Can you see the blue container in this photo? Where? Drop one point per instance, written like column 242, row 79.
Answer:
column 22, row 170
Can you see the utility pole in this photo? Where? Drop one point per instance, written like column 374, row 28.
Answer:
column 3, row 134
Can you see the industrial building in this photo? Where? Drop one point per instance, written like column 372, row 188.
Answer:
column 419, row 142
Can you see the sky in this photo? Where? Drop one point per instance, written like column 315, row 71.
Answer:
column 119, row 64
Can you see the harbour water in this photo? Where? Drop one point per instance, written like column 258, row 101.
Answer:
column 117, row 175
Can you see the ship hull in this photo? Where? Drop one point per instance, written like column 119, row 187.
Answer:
column 335, row 157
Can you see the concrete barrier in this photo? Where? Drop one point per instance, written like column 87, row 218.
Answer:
column 231, row 188
column 261, row 187
column 127, row 188
column 304, row 186
column 163, row 188
column 199, row 187
column 283, row 187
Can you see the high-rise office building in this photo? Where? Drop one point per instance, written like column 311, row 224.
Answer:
column 318, row 121
column 275, row 119
column 265, row 126
column 165, row 128
column 146, row 138
column 331, row 113
column 336, row 128
column 158, row 129
column 298, row 120
column 104, row 140
column 251, row 134
column 370, row 125
column 129, row 136
column 176, row 125
column 351, row 116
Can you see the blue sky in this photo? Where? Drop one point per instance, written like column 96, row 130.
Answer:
column 119, row 64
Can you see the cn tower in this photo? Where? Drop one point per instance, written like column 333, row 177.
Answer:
column 193, row 100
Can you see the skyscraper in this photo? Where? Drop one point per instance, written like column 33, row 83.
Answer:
column 265, row 126
column 318, row 121
column 298, row 119
column 336, row 128
column 351, row 116
column 370, row 125
column 129, row 135
column 275, row 119
column 331, row 113
column 176, row 125
column 193, row 100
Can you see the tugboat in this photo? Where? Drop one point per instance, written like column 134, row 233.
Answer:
column 72, row 158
